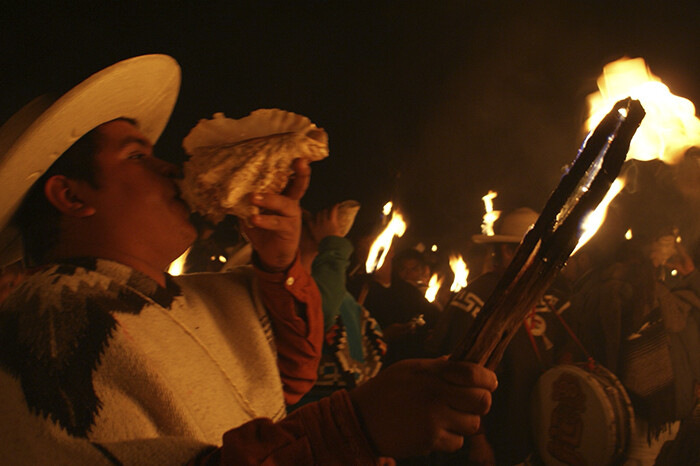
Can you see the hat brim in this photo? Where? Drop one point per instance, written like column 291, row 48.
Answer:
column 142, row 88
column 484, row 239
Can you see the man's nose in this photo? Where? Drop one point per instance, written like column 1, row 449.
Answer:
column 167, row 169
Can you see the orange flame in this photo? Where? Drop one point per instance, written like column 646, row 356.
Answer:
column 178, row 264
column 668, row 129
column 595, row 219
column 670, row 126
column 386, row 210
column 459, row 268
column 380, row 247
column 491, row 215
column 433, row 287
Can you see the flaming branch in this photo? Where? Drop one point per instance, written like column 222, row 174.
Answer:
column 549, row 243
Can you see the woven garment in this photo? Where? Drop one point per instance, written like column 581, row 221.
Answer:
column 646, row 372
column 96, row 351
column 646, row 361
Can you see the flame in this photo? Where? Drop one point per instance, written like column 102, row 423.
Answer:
column 459, row 268
column 594, row 220
column 669, row 127
column 178, row 264
column 491, row 215
column 386, row 210
column 434, row 248
column 380, row 247
column 628, row 234
column 433, row 287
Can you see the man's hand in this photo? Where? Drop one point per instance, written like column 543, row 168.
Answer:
column 324, row 223
column 417, row 406
column 480, row 451
column 275, row 232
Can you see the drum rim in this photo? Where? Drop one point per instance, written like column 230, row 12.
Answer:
column 616, row 407
column 624, row 403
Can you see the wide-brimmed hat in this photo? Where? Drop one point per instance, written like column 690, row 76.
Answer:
column 142, row 88
column 511, row 228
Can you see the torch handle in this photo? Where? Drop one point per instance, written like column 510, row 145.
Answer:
column 547, row 246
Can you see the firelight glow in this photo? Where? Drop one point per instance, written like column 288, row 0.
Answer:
column 459, row 268
column 178, row 264
column 595, row 219
column 669, row 127
column 490, row 216
column 433, row 287
column 380, row 247
column 386, row 210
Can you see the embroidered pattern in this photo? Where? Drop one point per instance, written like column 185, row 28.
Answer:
column 470, row 303
column 338, row 369
column 55, row 327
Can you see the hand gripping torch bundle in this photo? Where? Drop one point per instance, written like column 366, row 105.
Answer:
column 546, row 247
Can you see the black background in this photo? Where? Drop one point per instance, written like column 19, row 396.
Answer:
column 428, row 103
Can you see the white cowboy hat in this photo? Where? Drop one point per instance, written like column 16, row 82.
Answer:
column 142, row 88
column 512, row 228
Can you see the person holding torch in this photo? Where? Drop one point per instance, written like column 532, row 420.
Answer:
column 107, row 359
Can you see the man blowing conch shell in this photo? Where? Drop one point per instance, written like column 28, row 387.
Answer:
column 107, row 359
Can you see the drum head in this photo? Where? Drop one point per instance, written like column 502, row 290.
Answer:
column 580, row 417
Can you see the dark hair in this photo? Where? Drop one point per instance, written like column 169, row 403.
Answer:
column 400, row 259
column 37, row 219
column 405, row 255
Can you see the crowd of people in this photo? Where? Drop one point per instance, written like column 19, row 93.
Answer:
column 271, row 348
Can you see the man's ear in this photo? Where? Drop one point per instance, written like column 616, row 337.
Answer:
column 62, row 193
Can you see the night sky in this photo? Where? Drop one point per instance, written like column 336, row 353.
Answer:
column 429, row 103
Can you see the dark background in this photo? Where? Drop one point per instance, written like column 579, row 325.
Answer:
column 428, row 103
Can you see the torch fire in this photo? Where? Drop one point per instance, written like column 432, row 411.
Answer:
column 595, row 219
column 433, row 287
column 380, row 247
column 669, row 128
column 386, row 210
column 491, row 215
column 177, row 266
column 459, row 268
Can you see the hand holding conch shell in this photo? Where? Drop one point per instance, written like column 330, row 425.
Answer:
column 274, row 233
column 230, row 159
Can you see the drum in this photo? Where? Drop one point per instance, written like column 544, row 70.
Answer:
column 582, row 415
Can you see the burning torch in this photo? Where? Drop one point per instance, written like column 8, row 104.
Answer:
column 547, row 246
column 379, row 249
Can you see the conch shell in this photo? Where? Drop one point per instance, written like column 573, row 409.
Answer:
column 231, row 158
column 347, row 211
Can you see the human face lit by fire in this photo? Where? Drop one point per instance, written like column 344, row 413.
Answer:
column 138, row 211
column 414, row 272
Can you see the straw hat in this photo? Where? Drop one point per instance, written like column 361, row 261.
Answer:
column 511, row 228
column 142, row 88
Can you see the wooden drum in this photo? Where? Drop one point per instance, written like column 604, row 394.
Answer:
column 581, row 416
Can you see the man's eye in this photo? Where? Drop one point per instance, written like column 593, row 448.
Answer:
column 138, row 155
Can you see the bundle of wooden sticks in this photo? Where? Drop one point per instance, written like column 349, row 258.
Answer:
column 547, row 246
